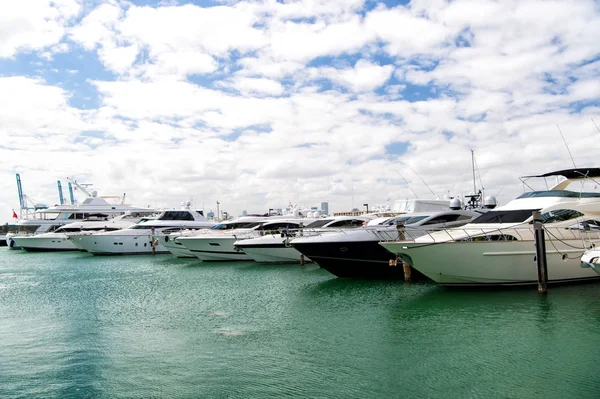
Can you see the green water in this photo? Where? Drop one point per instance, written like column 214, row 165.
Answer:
column 75, row 325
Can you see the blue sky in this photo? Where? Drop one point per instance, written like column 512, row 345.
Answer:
column 301, row 101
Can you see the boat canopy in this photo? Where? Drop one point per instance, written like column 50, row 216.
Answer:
column 573, row 174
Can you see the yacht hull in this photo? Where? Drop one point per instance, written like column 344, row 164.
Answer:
column 273, row 253
column 352, row 259
column 493, row 263
column 117, row 244
column 44, row 243
column 175, row 247
column 214, row 249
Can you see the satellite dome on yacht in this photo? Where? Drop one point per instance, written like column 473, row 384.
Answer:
column 489, row 202
column 455, row 204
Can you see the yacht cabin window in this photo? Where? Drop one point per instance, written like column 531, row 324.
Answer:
column 176, row 215
column 410, row 219
column 560, row 215
column 347, row 223
column 512, row 216
column 442, row 219
column 319, row 223
column 281, row 225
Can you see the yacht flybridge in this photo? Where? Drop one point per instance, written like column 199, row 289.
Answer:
column 498, row 247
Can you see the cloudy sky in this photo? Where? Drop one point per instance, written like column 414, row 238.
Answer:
column 257, row 103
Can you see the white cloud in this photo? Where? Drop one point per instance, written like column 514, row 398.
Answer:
column 34, row 24
column 364, row 76
column 257, row 86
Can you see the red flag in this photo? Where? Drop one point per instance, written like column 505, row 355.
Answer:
column 15, row 215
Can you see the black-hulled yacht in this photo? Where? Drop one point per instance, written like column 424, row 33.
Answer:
column 357, row 253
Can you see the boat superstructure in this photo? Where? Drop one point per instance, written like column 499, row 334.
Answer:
column 218, row 245
column 277, row 247
column 142, row 238
column 356, row 253
column 93, row 207
column 498, row 247
column 58, row 240
column 172, row 244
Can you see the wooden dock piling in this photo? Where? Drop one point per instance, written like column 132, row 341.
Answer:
column 540, row 253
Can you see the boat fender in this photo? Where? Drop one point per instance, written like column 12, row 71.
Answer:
column 11, row 243
column 166, row 238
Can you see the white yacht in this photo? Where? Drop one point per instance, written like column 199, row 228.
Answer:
column 49, row 219
column 218, row 245
column 357, row 254
column 276, row 247
column 172, row 244
column 142, row 238
column 498, row 247
column 58, row 240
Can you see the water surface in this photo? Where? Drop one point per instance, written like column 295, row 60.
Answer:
column 75, row 325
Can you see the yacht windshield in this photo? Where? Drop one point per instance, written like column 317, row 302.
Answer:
column 558, row 193
column 516, row 216
column 410, row 219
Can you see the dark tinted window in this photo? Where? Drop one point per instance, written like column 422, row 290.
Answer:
column 319, row 223
column 347, row 223
column 176, row 215
column 410, row 219
column 442, row 219
column 505, row 216
column 560, row 215
column 282, row 225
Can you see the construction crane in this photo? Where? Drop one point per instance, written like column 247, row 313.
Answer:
column 60, row 194
column 71, row 194
column 27, row 204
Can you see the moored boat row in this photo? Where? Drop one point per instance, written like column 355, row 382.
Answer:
column 440, row 240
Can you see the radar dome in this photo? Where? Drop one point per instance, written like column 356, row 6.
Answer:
column 455, row 204
column 94, row 193
column 489, row 202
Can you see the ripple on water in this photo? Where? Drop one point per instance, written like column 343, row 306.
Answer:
column 159, row 327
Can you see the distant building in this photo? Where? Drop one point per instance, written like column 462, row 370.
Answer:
column 325, row 208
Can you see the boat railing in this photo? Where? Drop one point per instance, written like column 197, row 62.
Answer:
column 517, row 233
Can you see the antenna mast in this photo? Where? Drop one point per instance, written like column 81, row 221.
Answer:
column 597, row 128
column 563, row 137
column 473, row 165
column 408, row 185
column 423, row 182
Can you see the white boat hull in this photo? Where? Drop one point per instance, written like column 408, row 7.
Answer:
column 117, row 244
column 212, row 249
column 176, row 248
column 274, row 254
column 44, row 242
column 493, row 262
